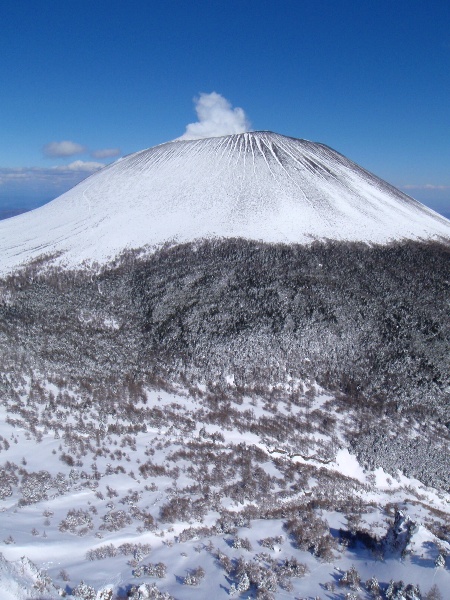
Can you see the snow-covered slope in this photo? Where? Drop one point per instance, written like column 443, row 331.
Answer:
column 22, row 580
column 258, row 185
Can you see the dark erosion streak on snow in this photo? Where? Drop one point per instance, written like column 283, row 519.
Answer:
column 256, row 186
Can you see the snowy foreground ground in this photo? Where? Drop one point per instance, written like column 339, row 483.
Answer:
column 202, row 494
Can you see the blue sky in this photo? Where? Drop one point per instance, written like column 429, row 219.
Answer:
column 369, row 78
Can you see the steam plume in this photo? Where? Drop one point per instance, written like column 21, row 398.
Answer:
column 216, row 117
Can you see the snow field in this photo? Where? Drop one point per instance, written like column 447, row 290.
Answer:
column 35, row 526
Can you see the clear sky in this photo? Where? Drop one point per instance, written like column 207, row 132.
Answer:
column 370, row 78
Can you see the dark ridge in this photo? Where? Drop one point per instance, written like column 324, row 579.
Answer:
column 354, row 317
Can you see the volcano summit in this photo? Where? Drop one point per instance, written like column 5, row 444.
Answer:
column 257, row 186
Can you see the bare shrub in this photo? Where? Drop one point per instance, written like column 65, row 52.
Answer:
column 313, row 534
column 106, row 551
column 291, row 567
column 434, row 594
column 183, row 509
column 84, row 591
column 244, row 543
column 77, row 521
column 158, row 570
column 191, row 533
column 351, row 579
column 137, row 550
column 148, row 522
column 67, row 459
column 225, row 562
column 148, row 592
column 116, row 520
column 271, row 542
column 34, row 487
column 194, row 577
column 7, row 480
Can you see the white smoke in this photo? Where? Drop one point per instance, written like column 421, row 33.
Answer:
column 216, row 117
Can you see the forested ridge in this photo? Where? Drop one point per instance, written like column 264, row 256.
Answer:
column 234, row 400
column 370, row 321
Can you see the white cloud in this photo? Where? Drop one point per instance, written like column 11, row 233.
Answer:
column 65, row 148
column 106, row 153
column 29, row 182
column 71, row 173
column 80, row 166
column 31, row 186
column 216, row 117
column 427, row 186
column 53, row 174
column 12, row 174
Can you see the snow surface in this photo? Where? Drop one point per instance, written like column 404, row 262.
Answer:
column 52, row 549
column 259, row 185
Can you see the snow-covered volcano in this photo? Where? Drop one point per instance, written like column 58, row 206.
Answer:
column 259, row 185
